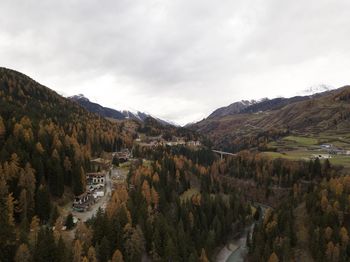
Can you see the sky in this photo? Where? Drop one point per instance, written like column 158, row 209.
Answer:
column 178, row 60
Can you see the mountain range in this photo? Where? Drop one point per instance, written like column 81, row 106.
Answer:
column 113, row 113
column 242, row 124
column 254, row 106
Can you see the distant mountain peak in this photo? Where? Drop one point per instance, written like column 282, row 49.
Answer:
column 315, row 89
column 231, row 109
column 113, row 113
column 79, row 97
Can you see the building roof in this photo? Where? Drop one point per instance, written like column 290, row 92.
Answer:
column 95, row 174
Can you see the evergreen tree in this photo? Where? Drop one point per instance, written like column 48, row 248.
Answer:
column 77, row 251
column 56, row 178
column 203, row 257
column 92, row 254
column 78, row 177
column 2, row 130
column 69, row 222
column 7, row 233
column 273, row 258
column 43, row 203
column 104, row 250
column 61, row 251
column 45, row 249
column 23, row 254
column 54, row 214
column 117, row 256
column 115, row 161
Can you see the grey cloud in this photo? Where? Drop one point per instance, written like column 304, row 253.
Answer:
column 204, row 53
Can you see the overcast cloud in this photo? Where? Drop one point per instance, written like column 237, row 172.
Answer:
column 180, row 59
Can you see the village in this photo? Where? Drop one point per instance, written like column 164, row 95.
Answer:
column 327, row 151
column 100, row 184
column 154, row 141
column 111, row 172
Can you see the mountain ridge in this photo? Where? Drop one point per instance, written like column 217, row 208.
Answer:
column 113, row 113
column 321, row 112
column 254, row 106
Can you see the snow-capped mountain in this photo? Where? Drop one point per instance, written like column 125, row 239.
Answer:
column 315, row 90
column 232, row 109
column 113, row 113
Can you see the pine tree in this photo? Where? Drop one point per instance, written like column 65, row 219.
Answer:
column 203, row 257
column 28, row 182
column 170, row 251
column 56, row 178
column 117, row 256
column 54, row 214
column 84, row 234
column 34, row 230
column 77, row 251
column 78, row 178
column 23, row 205
column 43, row 204
column 193, row 257
column 2, row 131
column 61, row 250
column 317, row 168
column 7, row 233
column 69, row 222
column 104, row 250
column 273, row 258
column 23, row 254
column 134, row 243
column 92, row 254
column 45, row 249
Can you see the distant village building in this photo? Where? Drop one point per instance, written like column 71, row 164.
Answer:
column 122, row 155
column 193, row 143
column 321, row 156
column 82, row 202
column 95, row 178
column 98, row 194
column 176, row 143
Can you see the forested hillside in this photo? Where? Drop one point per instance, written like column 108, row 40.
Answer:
column 46, row 142
column 176, row 210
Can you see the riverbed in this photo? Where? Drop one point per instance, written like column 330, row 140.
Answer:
column 238, row 254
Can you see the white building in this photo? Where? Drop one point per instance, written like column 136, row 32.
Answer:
column 96, row 178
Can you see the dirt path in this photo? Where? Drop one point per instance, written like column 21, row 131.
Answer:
column 302, row 252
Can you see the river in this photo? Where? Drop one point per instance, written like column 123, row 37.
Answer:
column 241, row 250
column 239, row 254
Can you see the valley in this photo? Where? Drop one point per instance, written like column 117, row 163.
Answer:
column 240, row 185
column 174, row 131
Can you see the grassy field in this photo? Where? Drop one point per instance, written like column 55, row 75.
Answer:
column 306, row 155
column 341, row 160
column 306, row 147
column 301, row 141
